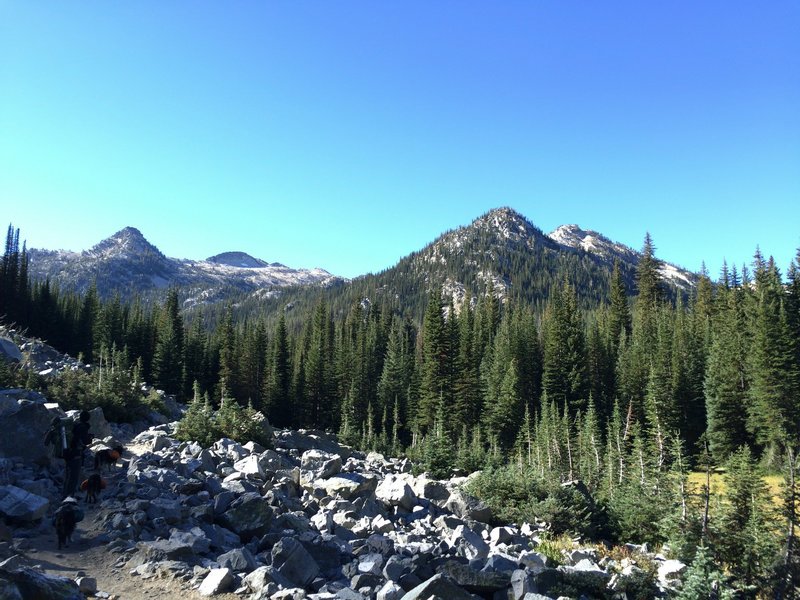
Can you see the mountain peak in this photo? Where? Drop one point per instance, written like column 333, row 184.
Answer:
column 238, row 259
column 125, row 243
column 508, row 224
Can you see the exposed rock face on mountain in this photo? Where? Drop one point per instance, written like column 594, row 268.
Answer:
column 127, row 263
column 600, row 246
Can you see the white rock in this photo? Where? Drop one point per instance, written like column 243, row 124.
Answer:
column 217, row 580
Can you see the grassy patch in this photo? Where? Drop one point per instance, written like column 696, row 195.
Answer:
column 718, row 487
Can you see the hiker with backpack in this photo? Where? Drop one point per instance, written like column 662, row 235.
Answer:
column 69, row 440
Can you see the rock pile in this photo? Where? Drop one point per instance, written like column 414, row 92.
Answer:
column 311, row 519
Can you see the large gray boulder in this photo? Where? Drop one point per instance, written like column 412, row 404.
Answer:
column 18, row 505
column 469, row 543
column 310, row 440
column 468, row 507
column 439, row 586
column 248, row 516
column 181, row 545
column 238, row 559
column 348, row 485
column 292, row 561
column 9, row 351
column 25, row 423
column 479, row 582
column 394, row 491
column 26, row 583
column 217, row 580
column 319, row 464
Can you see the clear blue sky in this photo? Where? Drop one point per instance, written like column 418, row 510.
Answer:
column 346, row 135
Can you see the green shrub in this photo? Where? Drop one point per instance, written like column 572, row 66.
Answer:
column 512, row 492
column 114, row 392
column 570, row 509
column 198, row 424
column 205, row 426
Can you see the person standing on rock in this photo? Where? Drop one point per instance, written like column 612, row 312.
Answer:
column 73, row 455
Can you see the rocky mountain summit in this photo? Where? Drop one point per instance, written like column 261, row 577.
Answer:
column 309, row 518
column 503, row 251
column 127, row 263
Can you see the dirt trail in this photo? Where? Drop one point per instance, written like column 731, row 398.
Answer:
column 88, row 554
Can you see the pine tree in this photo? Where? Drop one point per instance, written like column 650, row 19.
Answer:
column 9, row 275
column 690, row 343
column 648, row 280
column 619, row 322
column 787, row 574
column 590, row 446
column 278, row 380
column 198, row 422
column 254, row 360
column 635, row 358
column 228, row 355
column 703, row 579
column 792, row 301
column 775, row 391
column 501, row 417
column 168, row 356
column 564, row 377
column 745, row 540
column 434, row 364
column 727, row 378
column 318, row 377
column 467, row 404
column 87, row 324
column 660, row 410
column 396, row 375
column 195, row 367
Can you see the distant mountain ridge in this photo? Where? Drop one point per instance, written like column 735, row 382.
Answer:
column 127, row 263
column 501, row 250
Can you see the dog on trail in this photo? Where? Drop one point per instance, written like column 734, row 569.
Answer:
column 107, row 457
column 65, row 518
column 94, row 484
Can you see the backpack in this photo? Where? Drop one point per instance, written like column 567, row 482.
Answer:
column 60, row 436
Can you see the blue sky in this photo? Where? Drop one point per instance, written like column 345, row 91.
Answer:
column 345, row 135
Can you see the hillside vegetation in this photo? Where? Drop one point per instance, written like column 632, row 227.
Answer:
column 624, row 393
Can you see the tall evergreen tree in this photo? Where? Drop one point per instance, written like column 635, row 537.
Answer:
column 279, row 378
column 746, row 542
column 619, row 322
column 774, row 407
column 727, row 378
column 435, row 363
column 564, row 377
column 396, row 376
column 468, row 398
column 319, row 397
column 168, row 356
column 228, row 356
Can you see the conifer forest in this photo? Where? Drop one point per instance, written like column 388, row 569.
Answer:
column 608, row 419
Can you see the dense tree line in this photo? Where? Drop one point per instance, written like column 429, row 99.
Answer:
column 626, row 394
column 722, row 365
